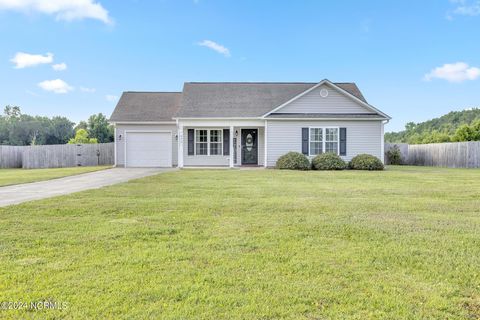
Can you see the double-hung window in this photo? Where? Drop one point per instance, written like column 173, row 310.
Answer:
column 323, row 139
column 208, row 142
column 316, row 140
column 201, row 142
column 331, row 140
column 215, row 142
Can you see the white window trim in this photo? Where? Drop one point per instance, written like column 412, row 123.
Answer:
column 196, row 142
column 324, row 135
column 309, row 141
column 208, row 141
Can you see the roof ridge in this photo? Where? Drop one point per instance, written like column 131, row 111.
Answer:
column 248, row 82
column 153, row 91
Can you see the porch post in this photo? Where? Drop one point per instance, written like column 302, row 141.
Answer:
column 231, row 147
column 180, row 146
column 115, row 144
column 265, row 145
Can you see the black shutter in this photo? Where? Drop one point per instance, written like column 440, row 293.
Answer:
column 343, row 141
column 305, row 141
column 191, row 141
column 226, row 142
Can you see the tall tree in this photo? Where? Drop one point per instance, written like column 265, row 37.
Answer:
column 22, row 129
column 99, row 128
column 59, row 131
column 468, row 132
column 82, row 137
column 81, row 125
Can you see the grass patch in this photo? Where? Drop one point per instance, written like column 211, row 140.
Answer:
column 263, row 244
column 17, row 176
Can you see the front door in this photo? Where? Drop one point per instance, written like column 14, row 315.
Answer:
column 249, row 146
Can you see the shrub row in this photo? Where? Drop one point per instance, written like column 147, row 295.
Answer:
column 293, row 161
column 327, row 161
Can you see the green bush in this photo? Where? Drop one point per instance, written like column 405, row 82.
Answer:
column 365, row 162
column 293, row 161
column 394, row 155
column 328, row 161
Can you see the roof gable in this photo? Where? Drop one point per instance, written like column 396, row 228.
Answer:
column 343, row 101
column 333, row 102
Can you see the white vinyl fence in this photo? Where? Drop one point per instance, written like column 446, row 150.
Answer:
column 451, row 154
column 56, row 156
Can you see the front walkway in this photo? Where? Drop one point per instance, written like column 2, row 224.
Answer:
column 46, row 189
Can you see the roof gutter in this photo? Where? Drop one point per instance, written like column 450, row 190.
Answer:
column 327, row 119
column 141, row 122
column 217, row 118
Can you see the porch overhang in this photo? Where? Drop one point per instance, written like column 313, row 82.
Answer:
column 235, row 129
column 221, row 122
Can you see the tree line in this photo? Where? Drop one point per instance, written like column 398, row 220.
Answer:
column 19, row 129
column 456, row 126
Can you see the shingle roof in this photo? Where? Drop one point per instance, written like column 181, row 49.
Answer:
column 213, row 99
column 147, row 106
column 351, row 88
column 242, row 99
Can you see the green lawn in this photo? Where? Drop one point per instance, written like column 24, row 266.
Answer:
column 260, row 244
column 16, row 176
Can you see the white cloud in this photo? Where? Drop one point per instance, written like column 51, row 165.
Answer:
column 67, row 10
column 464, row 8
column 216, row 47
column 24, row 60
column 467, row 8
column 87, row 90
column 111, row 98
column 59, row 66
column 56, row 86
column 454, row 72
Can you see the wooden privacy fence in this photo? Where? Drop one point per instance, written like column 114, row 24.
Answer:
column 57, row 156
column 11, row 156
column 451, row 154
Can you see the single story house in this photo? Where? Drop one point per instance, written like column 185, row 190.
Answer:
column 244, row 124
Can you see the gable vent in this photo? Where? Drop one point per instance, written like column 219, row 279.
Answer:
column 324, row 93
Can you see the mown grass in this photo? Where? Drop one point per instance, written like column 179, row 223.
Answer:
column 206, row 244
column 17, row 176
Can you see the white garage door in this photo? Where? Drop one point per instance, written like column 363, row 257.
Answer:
column 149, row 149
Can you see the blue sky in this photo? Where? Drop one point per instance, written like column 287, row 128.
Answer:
column 414, row 60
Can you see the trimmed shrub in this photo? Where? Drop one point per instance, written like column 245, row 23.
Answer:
column 328, row 161
column 365, row 162
column 293, row 161
column 394, row 155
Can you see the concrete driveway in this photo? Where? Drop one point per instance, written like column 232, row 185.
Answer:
column 46, row 189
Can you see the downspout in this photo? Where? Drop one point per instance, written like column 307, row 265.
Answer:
column 383, row 139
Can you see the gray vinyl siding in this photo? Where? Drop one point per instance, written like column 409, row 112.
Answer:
column 120, row 144
column 201, row 160
column 335, row 102
column 362, row 137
